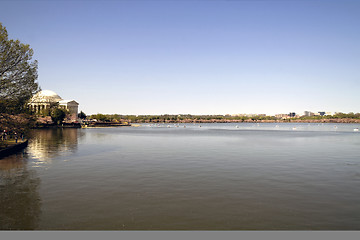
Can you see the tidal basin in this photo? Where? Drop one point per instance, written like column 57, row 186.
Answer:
column 242, row 176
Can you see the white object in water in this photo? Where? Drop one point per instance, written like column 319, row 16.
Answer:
column 356, row 129
column 294, row 128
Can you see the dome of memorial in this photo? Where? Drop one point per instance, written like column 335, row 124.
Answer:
column 46, row 96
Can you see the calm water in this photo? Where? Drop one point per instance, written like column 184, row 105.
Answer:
column 199, row 177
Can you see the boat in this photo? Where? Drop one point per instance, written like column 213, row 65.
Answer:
column 13, row 149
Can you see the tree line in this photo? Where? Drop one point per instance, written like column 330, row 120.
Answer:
column 206, row 118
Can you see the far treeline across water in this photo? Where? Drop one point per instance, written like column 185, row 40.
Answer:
column 188, row 118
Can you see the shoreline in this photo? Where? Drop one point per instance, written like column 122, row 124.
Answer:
column 79, row 125
column 104, row 125
column 65, row 125
column 340, row 120
column 116, row 124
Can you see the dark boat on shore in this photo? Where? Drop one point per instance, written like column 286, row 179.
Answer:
column 13, row 149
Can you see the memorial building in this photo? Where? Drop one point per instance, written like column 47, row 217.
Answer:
column 47, row 99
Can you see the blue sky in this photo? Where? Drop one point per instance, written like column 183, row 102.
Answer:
column 197, row 57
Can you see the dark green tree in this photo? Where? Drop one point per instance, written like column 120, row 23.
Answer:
column 82, row 115
column 18, row 74
column 57, row 115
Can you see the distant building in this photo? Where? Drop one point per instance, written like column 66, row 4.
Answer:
column 308, row 114
column 321, row 113
column 282, row 116
column 71, row 106
column 43, row 100
column 46, row 99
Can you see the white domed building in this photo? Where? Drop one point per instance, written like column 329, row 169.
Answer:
column 46, row 99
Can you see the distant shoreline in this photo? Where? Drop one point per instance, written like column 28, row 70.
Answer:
column 188, row 118
column 342, row 120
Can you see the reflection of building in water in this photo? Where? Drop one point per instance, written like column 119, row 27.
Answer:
column 20, row 202
column 46, row 99
column 48, row 143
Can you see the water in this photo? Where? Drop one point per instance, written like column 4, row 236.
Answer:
column 241, row 176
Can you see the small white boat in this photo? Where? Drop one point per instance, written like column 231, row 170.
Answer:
column 356, row 129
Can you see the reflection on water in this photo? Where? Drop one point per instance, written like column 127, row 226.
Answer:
column 168, row 177
column 49, row 143
column 20, row 202
column 19, row 199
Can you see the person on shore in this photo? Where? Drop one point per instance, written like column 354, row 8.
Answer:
column 5, row 135
column 15, row 137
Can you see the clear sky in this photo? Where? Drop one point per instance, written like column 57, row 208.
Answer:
column 197, row 57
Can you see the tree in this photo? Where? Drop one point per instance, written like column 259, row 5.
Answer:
column 82, row 115
column 18, row 74
column 100, row 117
column 57, row 115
